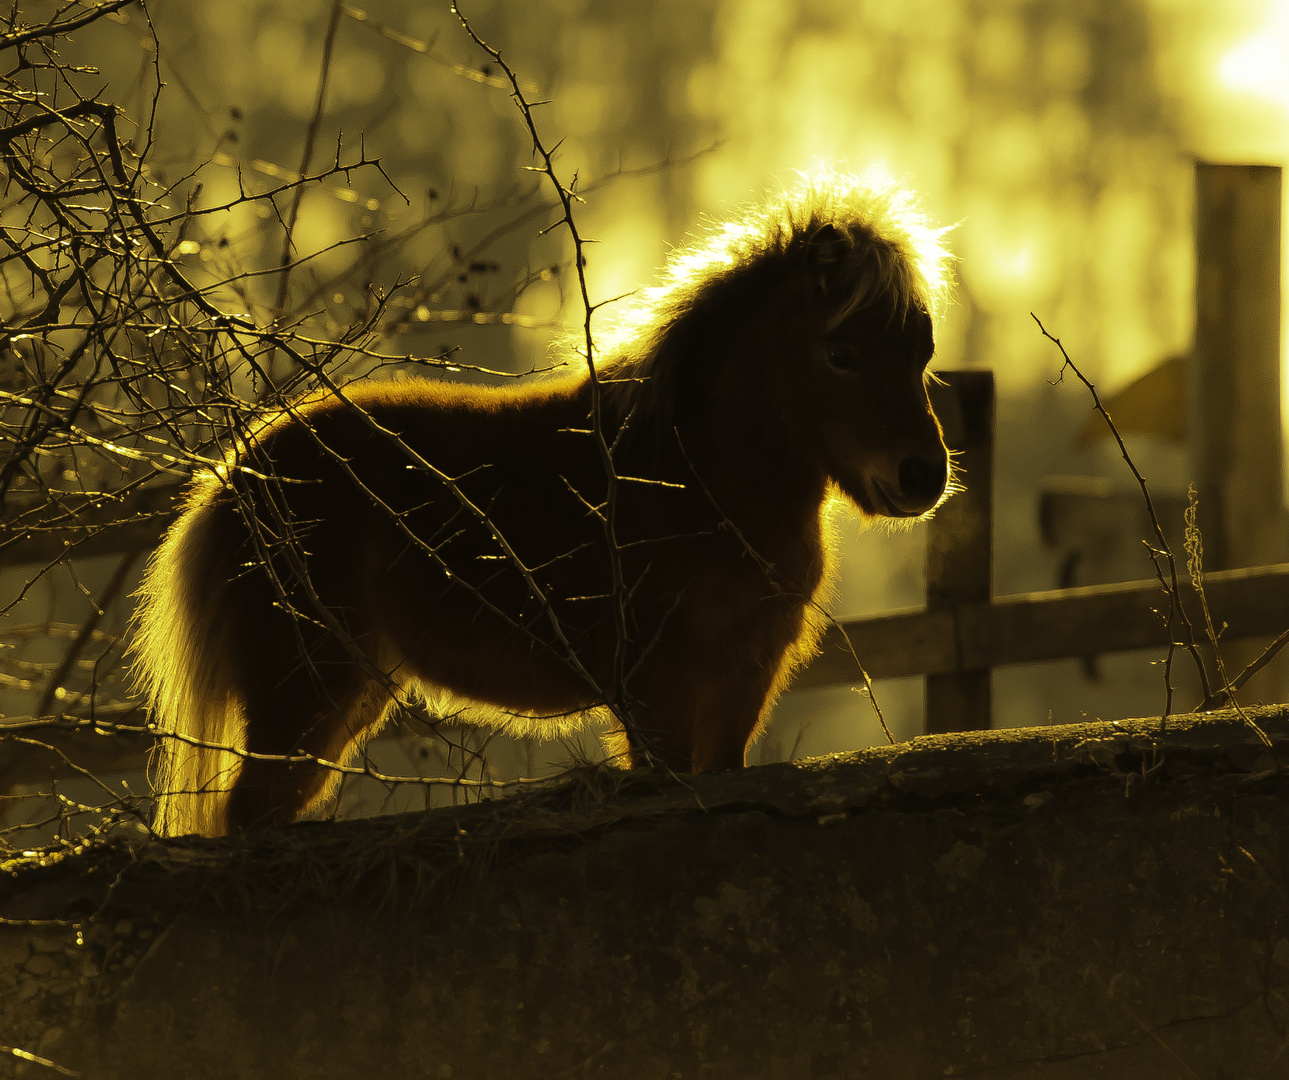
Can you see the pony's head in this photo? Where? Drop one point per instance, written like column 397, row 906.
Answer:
column 808, row 323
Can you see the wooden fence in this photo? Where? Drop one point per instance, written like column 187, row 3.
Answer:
column 956, row 640
column 1233, row 424
column 964, row 631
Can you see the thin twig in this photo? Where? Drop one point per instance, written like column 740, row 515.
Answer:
column 618, row 700
column 306, row 159
column 36, row 1059
column 1176, row 610
column 1268, row 654
column 74, row 650
column 767, row 568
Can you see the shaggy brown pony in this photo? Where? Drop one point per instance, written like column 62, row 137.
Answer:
column 461, row 542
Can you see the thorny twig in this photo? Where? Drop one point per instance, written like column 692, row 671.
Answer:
column 28, row 732
column 617, row 697
column 1195, row 565
column 306, row 159
column 767, row 569
column 27, row 1055
column 1176, row 610
column 1253, row 667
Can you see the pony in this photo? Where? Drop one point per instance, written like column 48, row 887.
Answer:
column 644, row 539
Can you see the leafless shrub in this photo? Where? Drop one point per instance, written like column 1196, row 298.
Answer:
column 140, row 342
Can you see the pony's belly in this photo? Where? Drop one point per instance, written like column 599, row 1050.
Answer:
column 504, row 671
column 488, row 642
column 446, row 704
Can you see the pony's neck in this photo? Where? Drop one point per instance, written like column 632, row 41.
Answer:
column 698, row 413
column 749, row 467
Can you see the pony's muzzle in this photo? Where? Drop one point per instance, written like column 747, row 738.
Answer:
column 922, row 482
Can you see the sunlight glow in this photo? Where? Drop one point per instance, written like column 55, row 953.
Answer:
column 1259, row 65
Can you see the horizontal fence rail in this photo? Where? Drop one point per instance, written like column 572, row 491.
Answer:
column 1023, row 628
column 1054, row 625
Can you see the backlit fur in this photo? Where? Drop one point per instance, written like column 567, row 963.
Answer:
column 419, row 537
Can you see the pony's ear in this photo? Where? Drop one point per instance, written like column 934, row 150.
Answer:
column 825, row 251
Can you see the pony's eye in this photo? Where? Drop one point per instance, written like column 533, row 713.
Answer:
column 842, row 357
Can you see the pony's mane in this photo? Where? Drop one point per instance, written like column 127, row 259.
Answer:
column 885, row 250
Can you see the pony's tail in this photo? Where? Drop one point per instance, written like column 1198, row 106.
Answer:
column 183, row 668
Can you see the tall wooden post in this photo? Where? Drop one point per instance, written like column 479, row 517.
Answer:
column 959, row 555
column 1235, row 385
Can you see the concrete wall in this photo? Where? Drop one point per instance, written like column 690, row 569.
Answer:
column 1101, row 899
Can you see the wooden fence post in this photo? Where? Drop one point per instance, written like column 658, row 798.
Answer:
column 959, row 553
column 1236, row 435
column 1235, row 385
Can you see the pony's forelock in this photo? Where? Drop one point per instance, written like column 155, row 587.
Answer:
column 894, row 250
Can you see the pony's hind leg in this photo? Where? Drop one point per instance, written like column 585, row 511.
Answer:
column 302, row 715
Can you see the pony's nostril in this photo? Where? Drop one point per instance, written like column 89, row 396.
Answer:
column 922, row 480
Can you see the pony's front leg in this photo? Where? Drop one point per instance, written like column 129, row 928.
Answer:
column 726, row 726
column 701, row 725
